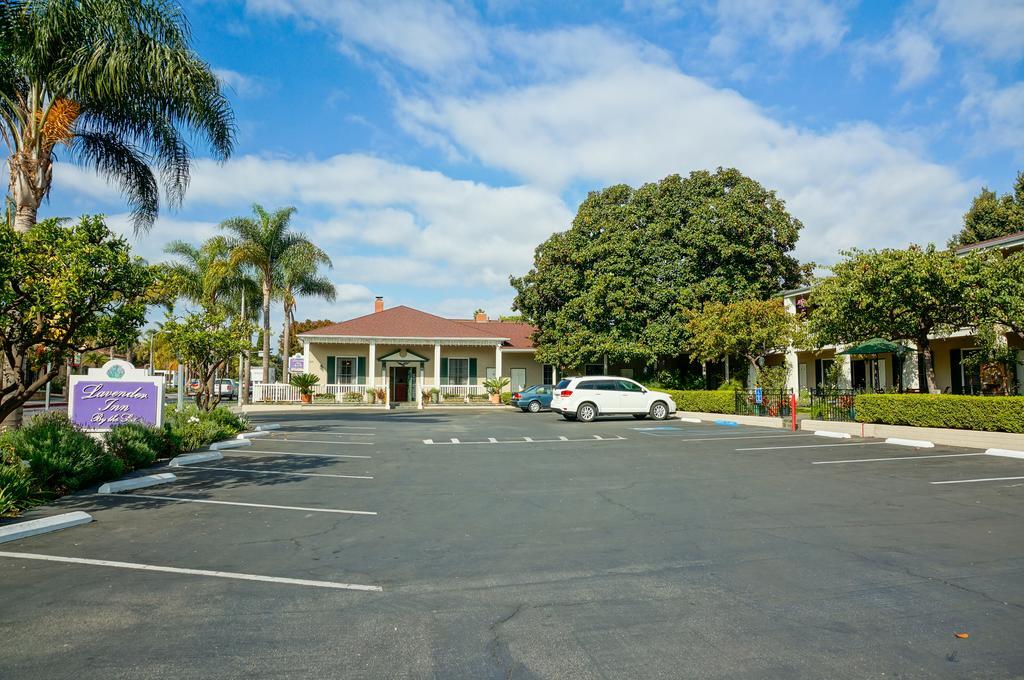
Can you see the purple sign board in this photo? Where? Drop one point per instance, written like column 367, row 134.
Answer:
column 296, row 364
column 114, row 394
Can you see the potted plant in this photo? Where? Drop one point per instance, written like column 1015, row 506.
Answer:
column 371, row 395
column 381, row 394
column 435, row 395
column 305, row 382
column 494, row 386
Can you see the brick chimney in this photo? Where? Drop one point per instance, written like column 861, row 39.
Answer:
column 480, row 316
column 378, row 304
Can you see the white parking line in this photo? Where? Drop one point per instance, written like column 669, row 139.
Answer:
column 527, row 440
column 294, row 453
column 299, row 428
column 277, row 472
column 311, row 441
column 808, row 446
column 877, row 460
column 280, row 435
column 754, row 436
column 986, row 479
column 179, row 499
column 193, row 572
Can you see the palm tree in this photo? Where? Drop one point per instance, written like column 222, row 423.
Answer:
column 207, row 277
column 118, row 84
column 267, row 243
column 300, row 276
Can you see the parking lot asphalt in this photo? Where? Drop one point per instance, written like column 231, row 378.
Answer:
column 499, row 544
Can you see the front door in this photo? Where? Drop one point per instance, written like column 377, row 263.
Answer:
column 399, row 383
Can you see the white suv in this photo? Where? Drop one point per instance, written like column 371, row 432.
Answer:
column 598, row 395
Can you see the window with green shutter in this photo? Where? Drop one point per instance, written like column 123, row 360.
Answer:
column 330, row 371
column 444, row 371
column 472, row 371
column 361, row 370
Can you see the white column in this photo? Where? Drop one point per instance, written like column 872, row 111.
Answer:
column 419, row 384
column 308, row 368
column 846, row 371
column 793, row 368
column 371, row 366
column 497, row 361
column 437, row 365
column 554, row 374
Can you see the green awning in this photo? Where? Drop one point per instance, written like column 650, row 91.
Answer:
column 876, row 346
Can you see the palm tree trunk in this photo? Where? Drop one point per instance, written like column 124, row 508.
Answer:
column 286, row 349
column 266, row 328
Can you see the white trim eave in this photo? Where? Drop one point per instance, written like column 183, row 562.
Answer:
column 381, row 340
column 518, row 349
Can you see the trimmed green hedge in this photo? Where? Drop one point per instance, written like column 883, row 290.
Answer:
column 703, row 401
column 958, row 412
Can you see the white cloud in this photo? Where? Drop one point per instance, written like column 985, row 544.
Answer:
column 854, row 185
column 434, row 230
column 993, row 27
column 243, row 85
column 912, row 50
column 996, row 116
column 788, row 25
column 429, row 36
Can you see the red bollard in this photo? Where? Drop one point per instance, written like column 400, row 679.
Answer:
column 792, row 408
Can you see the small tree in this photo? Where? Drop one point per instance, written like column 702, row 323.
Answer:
column 63, row 290
column 895, row 294
column 992, row 216
column 206, row 341
column 751, row 329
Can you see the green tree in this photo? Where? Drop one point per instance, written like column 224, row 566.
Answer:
column 618, row 282
column 895, row 294
column 300, row 276
column 992, row 216
column 266, row 243
column 207, row 340
column 751, row 329
column 205, row 276
column 298, row 327
column 117, row 83
column 63, row 290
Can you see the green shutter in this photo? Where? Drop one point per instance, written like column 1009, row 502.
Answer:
column 472, row 371
column 361, row 370
column 330, row 370
column 444, row 371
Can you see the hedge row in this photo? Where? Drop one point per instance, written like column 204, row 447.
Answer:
column 50, row 456
column 704, row 401
column 959, row 412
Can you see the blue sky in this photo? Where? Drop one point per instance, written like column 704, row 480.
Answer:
column 430, row 146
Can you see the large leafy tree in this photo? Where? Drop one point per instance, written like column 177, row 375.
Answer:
column 619, row 281
column 267, row 243
column 207, row 340
column 751, row 329
column 63, row 289
column 117, row 84
column 300, row 275
column 895, row 294
column 992, row 216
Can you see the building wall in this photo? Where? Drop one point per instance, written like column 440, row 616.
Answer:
column 484, row 355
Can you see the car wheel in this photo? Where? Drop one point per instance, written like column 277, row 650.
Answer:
column 568, row 416
column 534, row 406
column 586, row 412
column 639, row 416
column 659, row 410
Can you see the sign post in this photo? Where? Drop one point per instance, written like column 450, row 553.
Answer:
column 113, row 394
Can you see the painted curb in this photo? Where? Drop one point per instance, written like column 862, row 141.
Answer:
column 690, row 420
column 230, row 444
column 727, row 423
column 916, row 443
column 33, row 527
column 834, row 435
column 187, row 458
column 1006, row 453
column 271, row 426
column 137, row 483
column 250, row 435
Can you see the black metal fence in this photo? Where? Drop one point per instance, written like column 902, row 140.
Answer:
column 835, row 405
column 760, row 402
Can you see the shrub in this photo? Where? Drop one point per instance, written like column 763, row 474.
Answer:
column 17, row 490
column 506, row 398
column 704, row 401
column 960, row 412
column 138, row 445
column 352, row 398
column 228, row 418
column 194, row 428
column 63, row 457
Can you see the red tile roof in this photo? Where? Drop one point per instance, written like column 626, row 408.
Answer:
column 406, row 322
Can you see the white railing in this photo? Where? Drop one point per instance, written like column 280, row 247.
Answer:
column 352, row 392
column 449, row 391
column 274, row 392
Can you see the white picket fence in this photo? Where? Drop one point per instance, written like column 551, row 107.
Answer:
column 461, row 390
column 281, row 392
